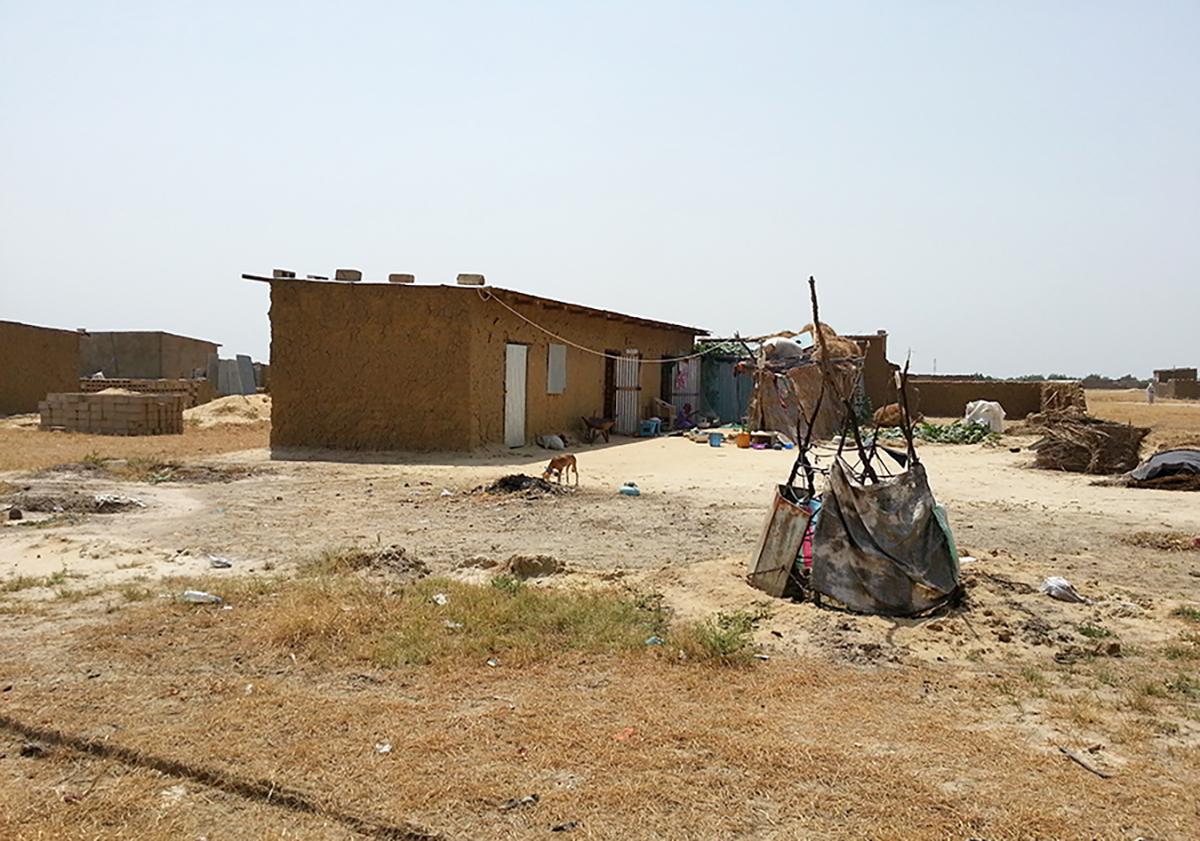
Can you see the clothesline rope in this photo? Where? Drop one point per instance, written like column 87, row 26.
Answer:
column 488, row 296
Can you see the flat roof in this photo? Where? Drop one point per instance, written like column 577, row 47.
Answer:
column 151, row 333
column 509, row 295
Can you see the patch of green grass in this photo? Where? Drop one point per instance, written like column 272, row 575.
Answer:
column 1153, row 690
column 1184, row 684
column 72, row 595
column 726, row 638
column 1188, row 614
column 1033, row 676
column 20, row 582
column 135, row 592
column 508, row 584
column 1093, row 631
column 28, row 582
column 93, row 459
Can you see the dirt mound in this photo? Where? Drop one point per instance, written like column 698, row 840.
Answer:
column 392, row 562
column 533, row 566
column 234, row 409
column 520, row 483
column 1166, row 541
column 74, row 502
column 395, row 562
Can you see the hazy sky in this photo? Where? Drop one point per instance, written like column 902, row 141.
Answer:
column 1007, row 187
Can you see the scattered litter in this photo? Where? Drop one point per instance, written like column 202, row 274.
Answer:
column 967, row 559
column 655, row 640
column 217, row 562
column 516, row 803
column 493, row 662
column 629, row 489
column 201, row 597
column 171, row 796
column 625, row 734
column 1061, row 589
column 447, row 492
column 14, row 513
column 564, row 827
column 762, row 656
column 520, row 483
column 383, row 748
column 249, row 688
column 114, row 502
column 440, row 598
column 32, row 750
column 454, row 626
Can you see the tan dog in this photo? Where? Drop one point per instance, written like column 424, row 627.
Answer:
column 560, row 465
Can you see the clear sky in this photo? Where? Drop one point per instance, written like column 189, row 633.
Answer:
column 1008, row 187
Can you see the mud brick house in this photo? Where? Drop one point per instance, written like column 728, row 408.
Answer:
column 143, row 354
column 35, row 361
column 1179, row 383
column 398, row 366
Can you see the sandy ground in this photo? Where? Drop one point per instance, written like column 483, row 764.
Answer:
column 689, row 536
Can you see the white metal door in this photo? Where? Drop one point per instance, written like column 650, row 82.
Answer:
column 686, row 388
column 515, row 359
column 629, row 390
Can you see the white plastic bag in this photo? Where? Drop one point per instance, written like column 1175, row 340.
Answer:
column 987, row 413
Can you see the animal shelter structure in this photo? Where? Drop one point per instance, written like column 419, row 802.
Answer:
column 874, row 540
column 398, row 366
column 35, row 361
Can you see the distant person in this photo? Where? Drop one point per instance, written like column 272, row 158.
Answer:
column 1150, row 392
column 685, row 419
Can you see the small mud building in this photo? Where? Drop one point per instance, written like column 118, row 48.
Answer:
column 143, row 354
column 35, row 361
column 366, row 366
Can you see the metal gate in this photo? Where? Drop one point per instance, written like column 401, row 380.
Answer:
column 685, row 390
column 629, row 391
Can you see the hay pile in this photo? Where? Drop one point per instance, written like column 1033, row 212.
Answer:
column 1063, row 397
column 234, row 409
column 1077, row 443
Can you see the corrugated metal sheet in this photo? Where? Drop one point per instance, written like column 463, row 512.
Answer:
column 781, row 541
column 629, row 392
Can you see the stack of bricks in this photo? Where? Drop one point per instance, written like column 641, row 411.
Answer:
column 196, row 392
column 114, row 414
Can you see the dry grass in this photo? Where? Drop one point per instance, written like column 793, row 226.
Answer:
column 165, row 720
column 1174, row 423
column 24, row 448
column 624, row 746
column 337, row 619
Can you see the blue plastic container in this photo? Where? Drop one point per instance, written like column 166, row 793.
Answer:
column 715, row 439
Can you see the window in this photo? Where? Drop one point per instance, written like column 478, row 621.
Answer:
column 556, row 369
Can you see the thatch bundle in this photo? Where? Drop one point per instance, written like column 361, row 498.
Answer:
column 1074, row 442
column 1061, row 396
column 837, row 346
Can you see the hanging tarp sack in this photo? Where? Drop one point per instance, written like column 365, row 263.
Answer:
column 884, row 547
